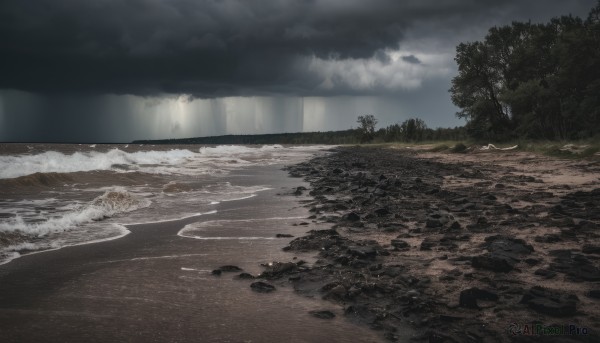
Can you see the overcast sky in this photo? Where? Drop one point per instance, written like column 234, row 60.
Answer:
column 118, row 70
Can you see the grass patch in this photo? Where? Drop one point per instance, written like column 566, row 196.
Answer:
column 570, row 150
column 439, row 147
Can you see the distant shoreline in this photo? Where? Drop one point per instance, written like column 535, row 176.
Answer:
column 328, row 137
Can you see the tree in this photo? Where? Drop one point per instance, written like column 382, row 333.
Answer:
column 413, row 130
column 532, row 80
column 366, row 127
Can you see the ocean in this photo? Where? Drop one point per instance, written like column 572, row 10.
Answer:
column 57, row 195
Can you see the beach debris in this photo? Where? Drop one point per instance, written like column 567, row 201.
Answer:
column 574, row 148
column 493, row 147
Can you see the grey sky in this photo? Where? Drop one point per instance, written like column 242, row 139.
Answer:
column 112, row 69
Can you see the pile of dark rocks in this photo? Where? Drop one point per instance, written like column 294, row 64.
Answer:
column 405, row 250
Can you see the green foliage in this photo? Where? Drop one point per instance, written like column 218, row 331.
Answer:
column 366, row 128
column 539, row 81
column 415, row 130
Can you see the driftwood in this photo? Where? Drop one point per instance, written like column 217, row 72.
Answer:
column 493, row 147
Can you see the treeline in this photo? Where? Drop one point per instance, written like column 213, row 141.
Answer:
column 538, row 81
column 415, row 130
column 330, row 137
column 411, row 130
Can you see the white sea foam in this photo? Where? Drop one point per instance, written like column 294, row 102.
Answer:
column 249, row 238
column 232, row 150
column 210, row 160
column 13, row 251
column 197, row 230
column 105, row 206
column 52, row 161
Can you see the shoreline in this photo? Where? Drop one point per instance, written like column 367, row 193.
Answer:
column 456, row 245
column 125, row 231
column 155, row 286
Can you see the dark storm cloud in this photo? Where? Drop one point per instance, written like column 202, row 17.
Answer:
column 411, row 59
column 222, row 47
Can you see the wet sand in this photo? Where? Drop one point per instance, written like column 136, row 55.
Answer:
column 155, row 286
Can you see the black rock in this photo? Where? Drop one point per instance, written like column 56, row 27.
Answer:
column 283, row 235
column 548, row 274
column 504, row 253
column 507, row 245
column 336, row 292
column 455, row 226
column 468, row 297
column 380, row 193
column 317, row 240
column 399, row 244
column 428, row 243
column 362, row 251
column 216, row 272
column 594, row 293
column 577, row 266
column 322, row 314
column 551, row 302
column 245, row 276
column 481, row 225
column 230, row 268
column 532, row 261
column 380, row 212
column 299, row 190
column 392, row 271
column 549, row 238
column 277, row 269
column 492, row 262
column 433, row 223
column 591, row 249
column 262, row 287
column 352, row 217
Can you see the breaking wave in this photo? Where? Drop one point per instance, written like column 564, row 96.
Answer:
column 211, row 160
column 115, row 159
column 38, row 180
column 105, row 206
